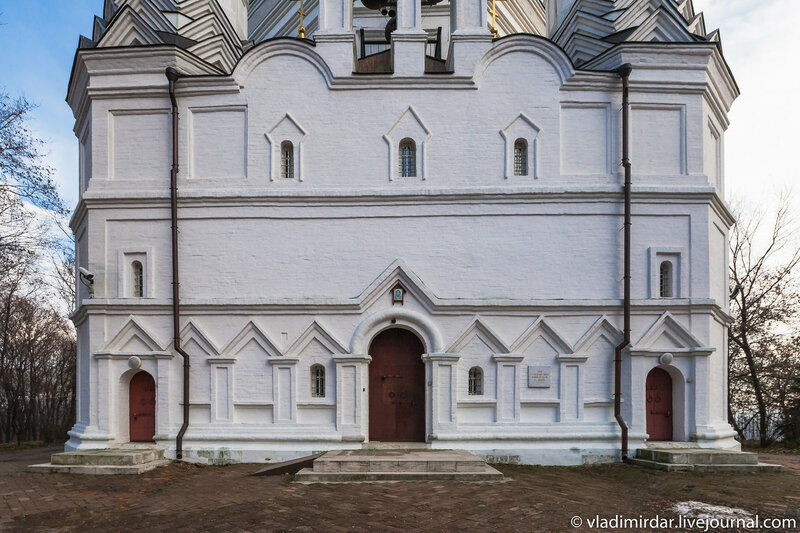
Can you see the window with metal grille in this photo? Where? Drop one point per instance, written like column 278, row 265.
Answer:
column 317, row 381
column 137, row 280
column 520, row 157
column 665, row 279
column 287, row 160
column 475, row 381
column 408, row 158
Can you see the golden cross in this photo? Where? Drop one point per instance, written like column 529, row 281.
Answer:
column 494, row 18
column 301, row 31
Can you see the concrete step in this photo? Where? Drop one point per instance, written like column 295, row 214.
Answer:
column 393, row 464
column 50, row 468
column 378, row 445
column 109, row 457
column 668, row 444
column 738, row 469
column 696, row 456
column 716, row 468
column 395, row 460
column 308, row 475
column 664, row 467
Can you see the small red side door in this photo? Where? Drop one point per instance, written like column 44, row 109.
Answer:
column 659, row 405
column 142, row 408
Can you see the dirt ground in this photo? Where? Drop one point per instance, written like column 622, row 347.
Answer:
column 192, row 498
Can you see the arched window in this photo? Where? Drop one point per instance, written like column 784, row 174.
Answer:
column 475, row 381
column 287, row 160
column 520, row 157
column 666, row 282
column 317, row 381
column 408, row 158
column 137, row 280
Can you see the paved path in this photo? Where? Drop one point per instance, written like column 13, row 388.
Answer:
column 193, row 498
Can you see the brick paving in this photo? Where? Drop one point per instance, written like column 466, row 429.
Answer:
column 194, row 498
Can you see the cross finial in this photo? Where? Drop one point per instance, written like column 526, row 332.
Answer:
column 301, row 31
column 494, row 18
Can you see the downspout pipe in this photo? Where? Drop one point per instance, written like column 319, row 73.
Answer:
column 624, row 72
column 173, row 76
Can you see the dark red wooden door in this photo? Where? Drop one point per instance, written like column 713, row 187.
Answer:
column 659, row 405
column 396, row 387
column 142, row 407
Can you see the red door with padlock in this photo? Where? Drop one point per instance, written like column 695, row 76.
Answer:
column 142, row 408
column 659, row 405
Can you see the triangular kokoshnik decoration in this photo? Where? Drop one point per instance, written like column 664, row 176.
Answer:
column 133, row 337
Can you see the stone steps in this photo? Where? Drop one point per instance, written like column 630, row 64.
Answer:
column 697, row 456
column 696, row 459
column 112, row 457
column 97, row 470
column 309, row 476
column 114, row 461
column 398, row 465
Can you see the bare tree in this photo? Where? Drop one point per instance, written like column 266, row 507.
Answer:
column 37, row 342
column 25, row 175
column 764, row 303
column 27, row 189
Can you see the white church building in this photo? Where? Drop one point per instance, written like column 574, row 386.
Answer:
column 406, row 224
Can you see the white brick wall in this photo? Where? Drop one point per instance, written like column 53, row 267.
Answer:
column 464, row 241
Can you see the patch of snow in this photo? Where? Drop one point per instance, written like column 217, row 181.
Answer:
column 707, row 511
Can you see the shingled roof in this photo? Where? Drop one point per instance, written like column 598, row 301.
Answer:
column 593, row 26
column 198, row 26
column 202, row 27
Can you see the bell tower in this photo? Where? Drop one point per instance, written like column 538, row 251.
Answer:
column 236, row 10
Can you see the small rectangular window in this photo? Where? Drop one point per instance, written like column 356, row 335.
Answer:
column 475, row 381
column 521, row 157
column 287, row 160
column 408, row 158
column 317, row 381
column 137, row 279
column 666, row 282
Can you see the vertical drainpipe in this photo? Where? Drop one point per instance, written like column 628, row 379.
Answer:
column 624, row 72
column 173, row 76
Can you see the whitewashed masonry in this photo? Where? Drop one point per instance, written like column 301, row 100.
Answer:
column 299, row 214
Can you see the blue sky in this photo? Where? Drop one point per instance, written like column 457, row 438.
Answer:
column 38, row 40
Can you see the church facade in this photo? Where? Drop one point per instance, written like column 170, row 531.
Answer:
column 405, row 225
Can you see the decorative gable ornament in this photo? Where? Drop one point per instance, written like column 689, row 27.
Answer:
column 662, row 26
column 251, row 332
column 669, row 335
column 408, row 126
column 133, row 339
column 286, row 129
column 478, row 328
column 129, row 29
column 601, row 329
column 541, row 329
column 524, row 128
column 191, row 332
column 317, row 332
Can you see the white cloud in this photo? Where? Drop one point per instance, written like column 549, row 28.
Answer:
column 759, row 41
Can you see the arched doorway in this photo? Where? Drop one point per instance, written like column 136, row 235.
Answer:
column 396, row 387
column 659, row 405
column 142, row 407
